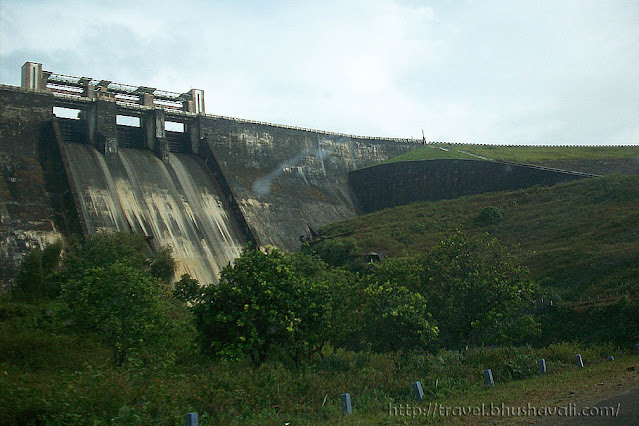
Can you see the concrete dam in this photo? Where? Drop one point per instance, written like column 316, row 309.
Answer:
column 78, row 155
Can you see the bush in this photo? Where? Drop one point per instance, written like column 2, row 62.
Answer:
column 262, row 304
column 489, row 215
column 338, row 252
column 106, row 248
column 115, row 287
column 127, row 308
column 396, row 318
column 477, row 292
column 188, row 290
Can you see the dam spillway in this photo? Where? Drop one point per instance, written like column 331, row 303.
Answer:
column 177, row 204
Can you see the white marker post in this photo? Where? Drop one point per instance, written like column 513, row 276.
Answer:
column 542, row 366
column 419, row 392
column 345, row 400
column 191, row 419
column 488, row 377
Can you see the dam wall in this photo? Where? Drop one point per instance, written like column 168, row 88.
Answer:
column 30, row 209
column 404, row 182
column 143, row 160
column 205, row 190
column 286, row 180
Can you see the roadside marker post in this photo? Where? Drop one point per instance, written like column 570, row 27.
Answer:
column 419, row 392
column 191, row 419
column 542, row 366
column 345, row 400
column 488, row 377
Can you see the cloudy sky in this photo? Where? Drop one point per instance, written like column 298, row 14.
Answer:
column 516, row 72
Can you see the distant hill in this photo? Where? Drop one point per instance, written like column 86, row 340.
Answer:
column 588, row 159
column 580, row 239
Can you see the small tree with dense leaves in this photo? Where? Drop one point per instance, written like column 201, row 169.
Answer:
column 477, row 292
column 262, row 303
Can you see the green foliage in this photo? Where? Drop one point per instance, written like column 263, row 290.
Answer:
column 262, row 304
column 581, row 237
column 406, row 271
column 32, row 338
column 106, row 248
column 395, row 318
column 613, row 320
column 477, row 292
column 234, row 393
column 338, row 252
column 126, row 307
column 188, row 289
column 35, row 279
column 113, row 287
column 434, row 152
column 162, row 264
column 489, row 215
column 524, row 154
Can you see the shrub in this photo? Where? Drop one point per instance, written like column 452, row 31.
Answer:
column 127, row 308
column 262, row 304
column 489, row 215
column 477, row 292
column 396, row 318
column 188, row 289
column 114, row 286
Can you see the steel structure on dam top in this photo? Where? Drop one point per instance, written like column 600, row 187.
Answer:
column 88, row 89
column 102, row 103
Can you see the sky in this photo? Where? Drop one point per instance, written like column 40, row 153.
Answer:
column 498, row 72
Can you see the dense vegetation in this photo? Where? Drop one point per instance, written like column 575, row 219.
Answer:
column 580, row 240
column 98, row 335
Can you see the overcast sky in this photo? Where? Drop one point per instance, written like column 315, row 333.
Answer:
column 516, row 72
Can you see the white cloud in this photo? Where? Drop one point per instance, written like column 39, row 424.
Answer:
column 490, row 71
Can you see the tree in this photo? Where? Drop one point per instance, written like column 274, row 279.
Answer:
column 106, row 248
column 188, row 290
column 477, row 292
column 396, row 318
column 125, row 306
column 262, row 303
column 114, row 286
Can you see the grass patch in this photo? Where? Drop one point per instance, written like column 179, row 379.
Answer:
column 520, row 154
column 580, row 238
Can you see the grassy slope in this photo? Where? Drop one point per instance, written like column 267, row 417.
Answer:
column 523, row 154
column 581, row 236
column 50, row 374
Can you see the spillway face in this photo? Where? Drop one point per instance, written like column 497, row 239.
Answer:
column 178, row 204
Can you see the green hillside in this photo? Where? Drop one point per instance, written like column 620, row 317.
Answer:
column 521, row 154
column 579, row 239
